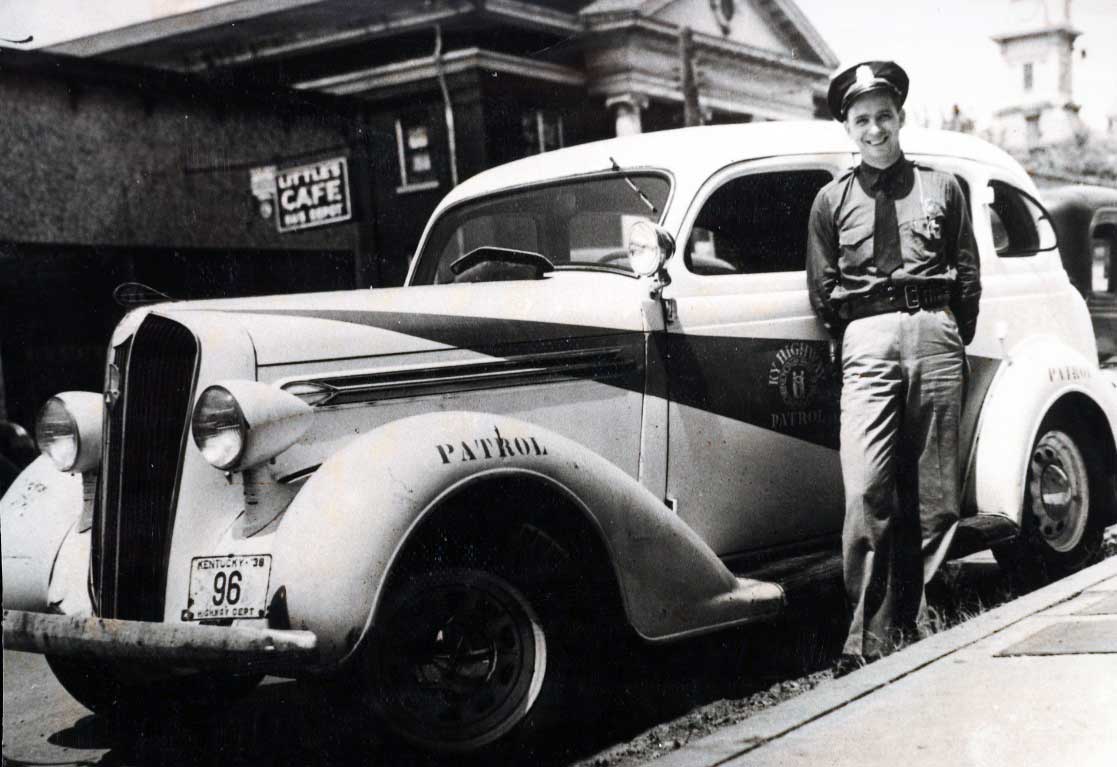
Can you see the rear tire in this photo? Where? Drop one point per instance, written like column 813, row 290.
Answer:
column 1067, row 501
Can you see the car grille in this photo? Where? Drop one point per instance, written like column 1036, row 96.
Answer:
column 146, row 435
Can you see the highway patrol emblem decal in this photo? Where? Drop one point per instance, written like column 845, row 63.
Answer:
column 796, row 371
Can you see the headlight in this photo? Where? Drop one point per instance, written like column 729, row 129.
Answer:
column 219, row 427
column 241, row 424
column 649, row 246
column 68, row 430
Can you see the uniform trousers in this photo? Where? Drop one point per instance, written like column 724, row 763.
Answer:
column 901, row 403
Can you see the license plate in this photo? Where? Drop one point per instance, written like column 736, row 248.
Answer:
column 228, row 587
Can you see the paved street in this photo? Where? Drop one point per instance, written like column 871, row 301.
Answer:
column 277, row 724
column 662, row 695
column 39, row 718
column 1028, row 684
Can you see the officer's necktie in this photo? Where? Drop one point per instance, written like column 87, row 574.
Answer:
column 886, row 232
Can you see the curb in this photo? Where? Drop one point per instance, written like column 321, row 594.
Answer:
column 775, row 722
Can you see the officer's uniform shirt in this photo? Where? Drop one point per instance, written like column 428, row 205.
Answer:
column 936, row 240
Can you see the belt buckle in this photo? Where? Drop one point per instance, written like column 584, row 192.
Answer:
column 911, row 296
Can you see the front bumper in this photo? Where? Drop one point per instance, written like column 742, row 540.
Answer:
column 166, row 644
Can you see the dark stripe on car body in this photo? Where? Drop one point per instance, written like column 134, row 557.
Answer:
column 784, row 385
column 463, row 332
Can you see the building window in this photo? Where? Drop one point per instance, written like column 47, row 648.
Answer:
column 1031, row 130
column 541, row 131
column 1029, row 75
column 413, row 143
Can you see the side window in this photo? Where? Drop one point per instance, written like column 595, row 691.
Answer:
column 755, row 224
column 1021, row 227
column 1103, row 276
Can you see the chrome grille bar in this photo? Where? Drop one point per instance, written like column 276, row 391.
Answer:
column 148, row 428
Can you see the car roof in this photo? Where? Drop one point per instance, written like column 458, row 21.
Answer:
column 698, row 152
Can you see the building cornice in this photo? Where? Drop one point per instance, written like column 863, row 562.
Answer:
column 608, row 25
column 218, row 18
column 786, row 16
column 168, row 26
column 454, row 62
column 279, row 49
column 1062, row 30
column 667, row 90
column 1037, row 108
column 530, row 14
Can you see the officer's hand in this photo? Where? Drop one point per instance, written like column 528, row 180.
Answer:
column 967, row 329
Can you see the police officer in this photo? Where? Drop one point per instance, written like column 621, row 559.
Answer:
column 893, row 273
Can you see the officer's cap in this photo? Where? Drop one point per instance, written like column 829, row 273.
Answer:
column 861, row 78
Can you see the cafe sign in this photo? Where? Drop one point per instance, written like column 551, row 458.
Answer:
column 312, row 195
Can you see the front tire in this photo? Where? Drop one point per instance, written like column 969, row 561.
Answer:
column 463, row 657
column 1067, row 500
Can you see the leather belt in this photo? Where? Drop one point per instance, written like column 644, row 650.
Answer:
column 909, row 298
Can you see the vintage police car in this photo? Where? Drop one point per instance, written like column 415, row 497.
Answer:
column 602, row 402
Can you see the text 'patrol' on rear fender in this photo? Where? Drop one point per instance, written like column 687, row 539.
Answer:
column 1034, row 377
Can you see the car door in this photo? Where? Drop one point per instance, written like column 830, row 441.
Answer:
column 753, row 414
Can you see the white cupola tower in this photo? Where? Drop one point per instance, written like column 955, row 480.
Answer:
column 1038, row 51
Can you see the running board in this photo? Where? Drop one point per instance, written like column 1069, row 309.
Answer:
column 803, row 579
column 980, row 532
column 807, row 578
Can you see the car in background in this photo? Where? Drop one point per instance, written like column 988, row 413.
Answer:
column 600, row 409
column 1085, row 219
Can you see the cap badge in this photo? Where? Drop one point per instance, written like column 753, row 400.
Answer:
column 864, row 75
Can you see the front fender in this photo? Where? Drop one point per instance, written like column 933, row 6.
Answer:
column 1037, row 374
column 344, row 529
column 37, row 512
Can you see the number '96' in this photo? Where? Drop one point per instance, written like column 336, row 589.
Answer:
column 226, row 587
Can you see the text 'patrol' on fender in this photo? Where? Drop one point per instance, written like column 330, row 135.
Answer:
column 487, row 448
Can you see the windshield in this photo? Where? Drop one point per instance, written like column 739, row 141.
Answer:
column 574, row 224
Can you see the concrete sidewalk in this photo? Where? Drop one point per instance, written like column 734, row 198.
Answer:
column 1033, row 682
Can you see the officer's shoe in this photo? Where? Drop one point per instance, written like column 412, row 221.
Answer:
column 848, row 662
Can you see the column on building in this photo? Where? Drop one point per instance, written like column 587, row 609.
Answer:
column 626, row 109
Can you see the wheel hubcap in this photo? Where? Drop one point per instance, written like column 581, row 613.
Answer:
column 463, row 660
column 1060, row 491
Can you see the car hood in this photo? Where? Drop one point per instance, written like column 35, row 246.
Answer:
column 311, row 327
